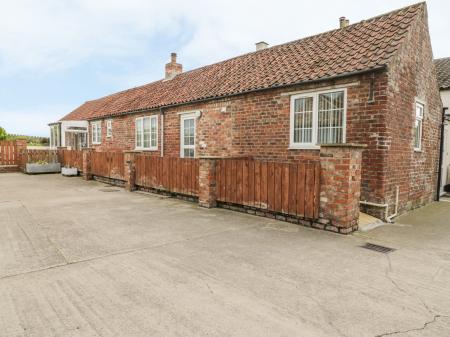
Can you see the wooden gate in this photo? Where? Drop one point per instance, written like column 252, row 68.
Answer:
column 108, row 164
column 279, row 187
column 8, row 153
column 178, row 175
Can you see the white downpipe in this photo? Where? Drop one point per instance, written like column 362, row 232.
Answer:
column 397, row 192
column 162, row 135
column 387, row 217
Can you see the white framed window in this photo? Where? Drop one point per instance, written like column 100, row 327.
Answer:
column 54, row 136
column 147, row 133
column 418, row 126
column 109, row 128
column 96, row 132
column 187, row 135
column 318, row 118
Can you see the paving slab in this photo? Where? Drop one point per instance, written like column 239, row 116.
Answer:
column 78, row 261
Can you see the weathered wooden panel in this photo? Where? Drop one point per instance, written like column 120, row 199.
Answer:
column 289, row 188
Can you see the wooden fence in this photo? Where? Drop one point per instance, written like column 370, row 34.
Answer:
column 34, row 156
column 8, row 153
column 72, row 158
column 178, row 175
column 279, row 187
column 108, row 164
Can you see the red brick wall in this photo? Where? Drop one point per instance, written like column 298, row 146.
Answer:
column 257, row 125
column 411, row 76
column 380, row 114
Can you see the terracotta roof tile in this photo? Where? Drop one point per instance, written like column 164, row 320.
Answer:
column 362, row 46
column 443, row 72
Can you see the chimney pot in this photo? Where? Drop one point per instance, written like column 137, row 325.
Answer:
column 343, row 22
column 261, row 45
column 173, row 68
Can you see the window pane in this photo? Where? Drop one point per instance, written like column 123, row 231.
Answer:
column 188, row 153
column 138, row 132
column 303, row 111
column 146, row 132
column 417, row 134
column 189, row 132
column 331, row 118
column 153, row 136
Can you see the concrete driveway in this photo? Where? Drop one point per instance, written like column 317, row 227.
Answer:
column 78, row 258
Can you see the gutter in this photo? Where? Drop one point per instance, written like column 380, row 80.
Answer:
column 441, row 155
column 335, row 77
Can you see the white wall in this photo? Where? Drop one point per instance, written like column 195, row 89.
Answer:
column 445, row 95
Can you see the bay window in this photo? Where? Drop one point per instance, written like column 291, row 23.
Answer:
column 318, row 118
column 147, row 133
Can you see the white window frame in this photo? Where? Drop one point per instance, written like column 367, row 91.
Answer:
column 96, row 129
column 183, row 117
column 54, row 136
column 418, row 118
column 142, row 147
column 109, row 128
column 315, row 119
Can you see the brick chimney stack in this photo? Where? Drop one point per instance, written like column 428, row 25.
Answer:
column 173, row 68
column 343, row 22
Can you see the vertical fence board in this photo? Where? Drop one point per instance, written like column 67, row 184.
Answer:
column 245, row 199
column 257, row 196
column 309, row 207
column 285, row 188
column 277, row 183
column 292, row 189
column 251, row 183
column 301, row 174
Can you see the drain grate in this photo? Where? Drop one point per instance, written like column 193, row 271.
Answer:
column 378, row 248
column 108, row 190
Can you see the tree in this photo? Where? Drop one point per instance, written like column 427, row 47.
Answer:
column 3, row 134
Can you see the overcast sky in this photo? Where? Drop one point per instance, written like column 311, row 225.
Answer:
column 56, row 54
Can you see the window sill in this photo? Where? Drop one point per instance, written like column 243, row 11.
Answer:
column 142, row 149
column 304, row 147
column 96, row 143
column 418, row 150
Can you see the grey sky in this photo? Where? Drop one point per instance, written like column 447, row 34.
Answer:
column 54, row 54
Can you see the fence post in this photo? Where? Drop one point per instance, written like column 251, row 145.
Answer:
column 207, row 196
column 21, row 153
column 130, row 170
column 340, row 187
column 87, row 164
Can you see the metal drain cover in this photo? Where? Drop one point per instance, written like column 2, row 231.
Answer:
column 109, row 190
column 378, row 248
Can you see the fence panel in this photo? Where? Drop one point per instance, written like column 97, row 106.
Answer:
column 8, row 153
column 289, row 188
column 108, row 165
column 34, row 156
column 178, row 175
column 72, row 158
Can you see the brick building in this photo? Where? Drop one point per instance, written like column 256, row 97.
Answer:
column 370, row 83
column 443, row 73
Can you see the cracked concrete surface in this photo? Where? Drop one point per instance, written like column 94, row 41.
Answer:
column 75, row 261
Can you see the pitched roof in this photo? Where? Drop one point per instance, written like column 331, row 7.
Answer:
column 443, row 72
column 365, row 45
